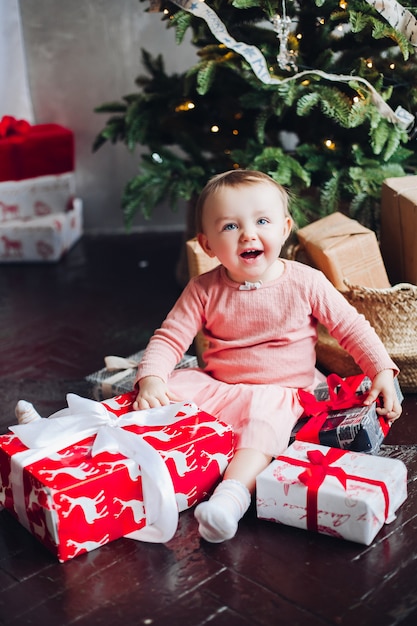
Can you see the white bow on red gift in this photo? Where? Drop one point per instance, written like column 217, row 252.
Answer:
column 85, row 418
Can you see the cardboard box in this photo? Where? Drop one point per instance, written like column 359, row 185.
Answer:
column 119, row 374
column 102, row 473
column 399, row 228
column 36, row 197
column 198, row 261
column 40, row 150
column 40, row 239
column 344, row 494
column 343, row 250
column 337, row 418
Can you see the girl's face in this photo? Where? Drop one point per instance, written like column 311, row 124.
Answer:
column 245, row 227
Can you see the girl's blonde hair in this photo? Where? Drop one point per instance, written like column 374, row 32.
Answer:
column 234, row 178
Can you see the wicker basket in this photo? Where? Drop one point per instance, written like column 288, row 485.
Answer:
column 198, row 263
column 331, row 357
column 393, row 314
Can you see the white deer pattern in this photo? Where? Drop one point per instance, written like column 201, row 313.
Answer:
column 222, row 460
column 180, row 460
column 185, row 500
column 80, row 472
column 86, row 546
column 136, row 506
column 88, row 505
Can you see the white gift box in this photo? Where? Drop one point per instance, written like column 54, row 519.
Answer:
column 344, row 494
column 36, row 197
column 44, row 238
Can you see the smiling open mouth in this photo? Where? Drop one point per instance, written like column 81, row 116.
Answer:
column 251, row 254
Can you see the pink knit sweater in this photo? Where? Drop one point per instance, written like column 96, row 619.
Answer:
column 263, row 335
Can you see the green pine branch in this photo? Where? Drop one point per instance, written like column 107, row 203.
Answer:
column 344, row 146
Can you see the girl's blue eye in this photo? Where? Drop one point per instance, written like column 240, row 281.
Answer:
column 262, row 220
column 229, row 227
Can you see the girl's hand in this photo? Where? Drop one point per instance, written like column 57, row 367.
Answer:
column 153, row 392
column 383, row 385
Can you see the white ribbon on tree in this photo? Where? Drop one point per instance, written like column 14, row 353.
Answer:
column 398, row 17
column 257, row 61
column 85, row 418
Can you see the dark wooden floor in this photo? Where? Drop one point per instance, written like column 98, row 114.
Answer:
column 56, row 324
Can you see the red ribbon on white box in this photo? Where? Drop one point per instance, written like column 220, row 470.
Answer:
column 317, row 467
column 85, row 418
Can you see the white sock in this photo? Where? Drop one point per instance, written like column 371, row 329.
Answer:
column 26, row 412
column 218, row 517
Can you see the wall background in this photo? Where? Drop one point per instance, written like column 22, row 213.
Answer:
column 83, row 53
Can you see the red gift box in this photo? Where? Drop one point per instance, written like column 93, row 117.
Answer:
column 119, row 473
column 27, row 151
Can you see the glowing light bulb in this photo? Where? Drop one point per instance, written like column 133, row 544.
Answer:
column 392, row 66
column 369, row 63
column 330, row 145
column 235, row 131
column 343, row 4
column 214, row 128
column 185, row 106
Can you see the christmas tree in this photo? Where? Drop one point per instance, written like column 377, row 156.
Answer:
column 319, row 94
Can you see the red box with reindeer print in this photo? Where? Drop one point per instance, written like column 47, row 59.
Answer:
column 98, row 471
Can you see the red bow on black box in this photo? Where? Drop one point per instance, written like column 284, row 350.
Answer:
column 341, row 420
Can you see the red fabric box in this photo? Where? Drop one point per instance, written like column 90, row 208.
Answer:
column 105, row 482
column 37, row 151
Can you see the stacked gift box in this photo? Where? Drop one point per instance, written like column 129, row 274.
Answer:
column 95, row 472
column 40, row 215
column 330, row 479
